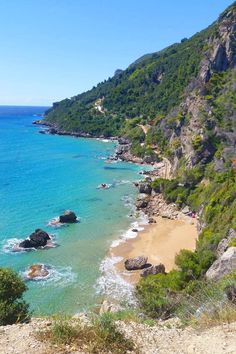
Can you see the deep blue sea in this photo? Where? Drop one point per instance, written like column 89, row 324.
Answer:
column 40, row 177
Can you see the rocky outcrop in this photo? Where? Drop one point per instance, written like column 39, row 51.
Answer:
column 37, row 239
column 224, row 243
column 37, row 271
column 68, row 217
column 136, row 263
column 145, row 188
column 225, row 264
column 158, row 269
column 141, row 203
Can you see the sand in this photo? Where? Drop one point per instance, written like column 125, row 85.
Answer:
column 160, row 242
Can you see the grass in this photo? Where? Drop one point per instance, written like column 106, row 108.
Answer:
column 97, row 337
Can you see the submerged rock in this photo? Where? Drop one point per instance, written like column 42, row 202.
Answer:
column 37, row 271
column 223, row 265
column 68, row 217
column 39, row 238
column 136, row 263
column 158, row 269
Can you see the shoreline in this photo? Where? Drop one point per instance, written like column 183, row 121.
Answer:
column 160, row 242
column 161, row 230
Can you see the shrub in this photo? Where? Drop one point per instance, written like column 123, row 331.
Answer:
column 194, row 264
column 158, row 294
column 12, row 307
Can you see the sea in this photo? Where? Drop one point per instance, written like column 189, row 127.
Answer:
column 43, row 175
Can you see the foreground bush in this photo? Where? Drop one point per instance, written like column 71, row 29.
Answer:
column 12, row 307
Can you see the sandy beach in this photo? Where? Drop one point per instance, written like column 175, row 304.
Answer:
column 160, row 242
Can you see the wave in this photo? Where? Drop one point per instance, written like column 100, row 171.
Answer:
column 112, row 285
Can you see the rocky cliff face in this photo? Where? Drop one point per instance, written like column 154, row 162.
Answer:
column 195, row 123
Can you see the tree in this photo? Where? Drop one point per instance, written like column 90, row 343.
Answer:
column 12, row 307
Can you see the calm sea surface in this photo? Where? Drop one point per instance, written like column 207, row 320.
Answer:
column 40, row 177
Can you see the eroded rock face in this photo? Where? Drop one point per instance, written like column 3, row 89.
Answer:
column 37, row 239
column 136, row 263
column 225, row 264
column 68, row 217
column 158, row 269
column 37, row 271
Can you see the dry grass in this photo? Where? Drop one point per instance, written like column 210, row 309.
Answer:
column 99, row 337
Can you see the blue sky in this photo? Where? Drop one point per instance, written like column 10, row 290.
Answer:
column 52, row 49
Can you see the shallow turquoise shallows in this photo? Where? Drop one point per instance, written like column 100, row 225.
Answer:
column 40, row 177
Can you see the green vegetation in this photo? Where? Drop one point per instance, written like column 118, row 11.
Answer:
column 149, row 88
column 100, row 335
column 192, row 123
column 13, row 308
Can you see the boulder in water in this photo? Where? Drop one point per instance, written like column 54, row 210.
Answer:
column 39, row 238
column 37, row 271
column 68, row 217
column 136, row 263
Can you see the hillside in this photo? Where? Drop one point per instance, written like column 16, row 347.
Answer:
column 178, row 105
column 177, row 91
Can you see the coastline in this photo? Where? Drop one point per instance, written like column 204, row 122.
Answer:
column 161, row 230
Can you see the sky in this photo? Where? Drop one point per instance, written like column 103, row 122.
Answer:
column 53, row 49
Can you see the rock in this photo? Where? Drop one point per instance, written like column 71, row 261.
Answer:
column 158, row 269
column 25, row 244
column 123, row 141
column 225, row 264
column 136, row 263
column 68, row 217
column 230, row 291
column 39, row 238
column 36, row 271
column 145, row 188
column 107, row 306
column 224, row 243
column 134, row 230
column 151, row 221
column 185, row 210
column 141, row 204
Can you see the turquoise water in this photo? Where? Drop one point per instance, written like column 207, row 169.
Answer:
column 40, row 177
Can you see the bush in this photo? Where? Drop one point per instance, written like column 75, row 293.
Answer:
column 194, row 264
column 158, row 294
column 12, row 308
